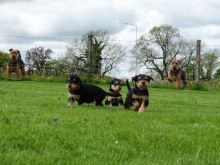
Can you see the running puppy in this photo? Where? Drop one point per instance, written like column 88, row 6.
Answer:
column 84, row 93
column 176, row 74
column 114, row 97
column 137, row 98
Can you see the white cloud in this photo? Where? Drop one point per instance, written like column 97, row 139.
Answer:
column 195, row 18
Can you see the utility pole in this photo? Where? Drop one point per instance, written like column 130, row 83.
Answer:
column 89, row 55
column 198, row 59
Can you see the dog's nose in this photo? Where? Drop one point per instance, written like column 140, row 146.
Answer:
column 69, row 86
column 143, row 83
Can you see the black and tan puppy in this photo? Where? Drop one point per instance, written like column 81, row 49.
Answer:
column 176, row 74
column 138, row 97
column 114, row 97
column 84, row 93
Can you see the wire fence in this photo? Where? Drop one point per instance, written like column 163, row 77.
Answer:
column 58, row 45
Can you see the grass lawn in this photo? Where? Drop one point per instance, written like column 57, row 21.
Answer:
column 36, row 127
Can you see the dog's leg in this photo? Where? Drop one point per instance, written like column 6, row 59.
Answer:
column 108, row 101
column 70, row 100
column 8, row 71
column 185, row 83
column 143, row 106
column 121, row 101
column 135, row 105
column 98, row 101
column 18, row 73
column 177, row 83
column 170, row 79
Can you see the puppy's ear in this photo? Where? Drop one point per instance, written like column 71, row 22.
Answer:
column 150, row 78
column 134, row 78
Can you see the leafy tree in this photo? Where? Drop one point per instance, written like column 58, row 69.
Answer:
column 111, row 56
column 55, row 68
column 209, row 63
column 191, row 71
column 3, row 61
column 155, row 49
column 38, row 58
column 217, row 74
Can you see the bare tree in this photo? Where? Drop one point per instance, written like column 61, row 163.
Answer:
column 104, row 54
column 111, row 56
column 155, row 49
column 76, row 57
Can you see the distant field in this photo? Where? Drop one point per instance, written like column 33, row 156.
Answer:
column 36, row 127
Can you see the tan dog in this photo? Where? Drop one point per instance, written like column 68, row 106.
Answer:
column 14, row 64
column 177, row 75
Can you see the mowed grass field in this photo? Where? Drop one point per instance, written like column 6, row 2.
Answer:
column 36, row 127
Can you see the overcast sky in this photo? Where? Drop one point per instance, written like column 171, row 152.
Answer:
column 196, row 19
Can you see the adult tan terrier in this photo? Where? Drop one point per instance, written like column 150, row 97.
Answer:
column 176, row 74
column 13, row 65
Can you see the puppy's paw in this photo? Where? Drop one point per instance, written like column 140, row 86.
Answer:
column 69, row 104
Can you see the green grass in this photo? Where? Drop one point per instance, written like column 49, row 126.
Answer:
column 36, row 127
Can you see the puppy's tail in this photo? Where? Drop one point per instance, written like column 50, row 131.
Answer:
column 128, row 85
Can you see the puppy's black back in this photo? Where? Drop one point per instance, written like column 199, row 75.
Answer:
column 92, row 90
column 90, row 93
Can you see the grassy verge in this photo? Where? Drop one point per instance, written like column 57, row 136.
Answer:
column 36, row 127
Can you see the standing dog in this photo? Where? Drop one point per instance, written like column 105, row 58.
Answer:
column 114, row 97
column 176, row 74
column 14, row 64
column 84, row 93
column 138, row 97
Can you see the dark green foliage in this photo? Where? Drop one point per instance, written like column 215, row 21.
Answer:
column 198, row 86
column 3, row 61
column 217, row 74
column 38, row 59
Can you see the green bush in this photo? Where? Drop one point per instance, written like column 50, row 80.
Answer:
column 104, row 80
column 161, row 84
column 198, row 86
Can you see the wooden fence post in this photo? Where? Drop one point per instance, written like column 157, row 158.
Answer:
column 198, row 59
